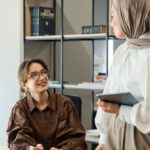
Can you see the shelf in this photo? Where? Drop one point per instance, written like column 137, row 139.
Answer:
column 92, row 87
column 43, row 38
column 67, row 37
column 75, row 37
column 84, row 36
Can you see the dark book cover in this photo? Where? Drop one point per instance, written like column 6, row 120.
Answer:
column 42, row 21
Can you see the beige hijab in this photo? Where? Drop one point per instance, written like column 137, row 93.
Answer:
column 134, row 18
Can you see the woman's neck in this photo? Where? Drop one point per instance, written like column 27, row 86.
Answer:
column 41, row 98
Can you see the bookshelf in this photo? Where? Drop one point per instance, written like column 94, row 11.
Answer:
column 70, row 53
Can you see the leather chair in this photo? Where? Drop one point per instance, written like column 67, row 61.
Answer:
column 77, row 102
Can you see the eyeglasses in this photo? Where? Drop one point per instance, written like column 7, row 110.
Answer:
column 36, row 75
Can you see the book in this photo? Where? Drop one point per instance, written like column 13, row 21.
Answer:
column 119, row 98
column 93, row 132
column 92, row 136
column 92, row 85
column 58, row 81
column 42, row 21
column 27, row 19
column 94, row 29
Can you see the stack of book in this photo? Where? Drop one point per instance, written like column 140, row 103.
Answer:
column 94, row 29
column 96, row 85
column 42, row 21
column 100, row 77
column 92, row 136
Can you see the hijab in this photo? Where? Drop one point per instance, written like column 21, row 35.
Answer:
column 134, row 18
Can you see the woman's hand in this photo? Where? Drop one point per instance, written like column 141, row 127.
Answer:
column 37, row 147
column 100, row 147
column 108, row 107
column 54, row 148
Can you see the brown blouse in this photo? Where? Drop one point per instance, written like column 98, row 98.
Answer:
column 56, row 126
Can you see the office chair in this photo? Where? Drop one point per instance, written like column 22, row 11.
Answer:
column 77, row 102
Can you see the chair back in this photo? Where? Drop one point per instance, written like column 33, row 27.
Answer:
column 77, row 102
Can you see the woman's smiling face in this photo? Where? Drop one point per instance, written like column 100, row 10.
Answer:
column 37, row 79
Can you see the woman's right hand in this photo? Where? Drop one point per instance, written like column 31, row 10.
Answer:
column 37, row 147
column 100, row 147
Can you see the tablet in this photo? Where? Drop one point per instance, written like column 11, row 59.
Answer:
column 119, row 98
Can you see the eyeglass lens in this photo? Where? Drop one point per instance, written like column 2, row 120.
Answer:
column 36, row 75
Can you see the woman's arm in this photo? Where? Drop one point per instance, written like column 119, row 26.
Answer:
column 19, row 132
column 71, row 134
column 138, row 115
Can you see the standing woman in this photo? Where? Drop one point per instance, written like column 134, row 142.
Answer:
column 43, row 120
column 124, row 127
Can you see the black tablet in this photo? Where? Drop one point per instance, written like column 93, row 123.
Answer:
column 118, row 98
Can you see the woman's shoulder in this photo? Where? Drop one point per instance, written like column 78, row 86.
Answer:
column 121, row 48
column 146, row 56
column 62, row 98
column 63, row 103
column 19, row 107
column 21, row 103
column 143, row 55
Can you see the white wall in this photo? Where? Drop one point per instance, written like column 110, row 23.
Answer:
column 11, row 53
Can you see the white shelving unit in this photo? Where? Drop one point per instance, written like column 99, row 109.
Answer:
column 62, row 38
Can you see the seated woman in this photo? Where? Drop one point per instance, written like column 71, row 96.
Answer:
column 43, row 120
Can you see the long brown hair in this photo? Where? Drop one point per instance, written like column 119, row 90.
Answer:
column 24, row 70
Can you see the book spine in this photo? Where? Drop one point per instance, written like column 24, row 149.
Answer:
column 47, row 21
column 37, row 22
column 94, row 29
column 34, row 21
column 32, row 11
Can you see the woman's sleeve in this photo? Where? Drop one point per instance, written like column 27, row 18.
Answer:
column 102, row 122
column 71, row 133
column 104, row 119
column 19, row 132
column 138, row 115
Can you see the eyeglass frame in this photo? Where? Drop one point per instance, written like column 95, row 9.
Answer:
column 43, row 73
